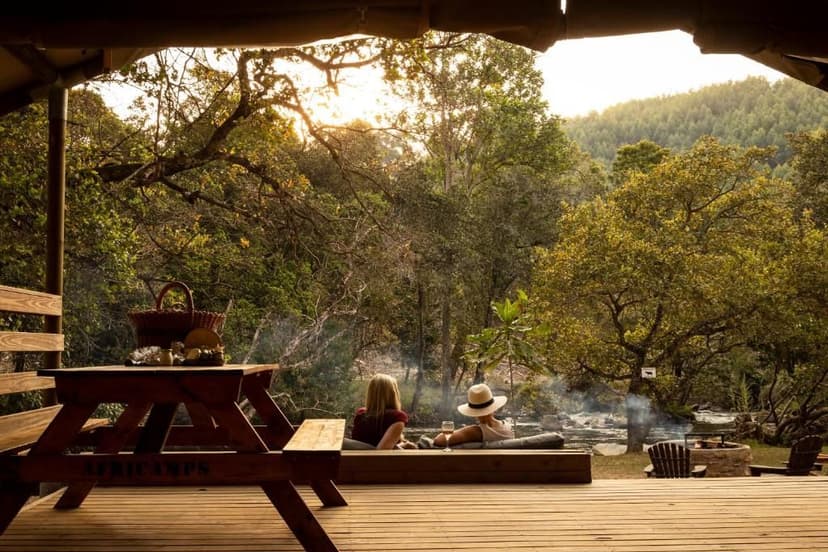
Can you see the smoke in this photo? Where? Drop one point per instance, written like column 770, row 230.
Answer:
column 639, row 411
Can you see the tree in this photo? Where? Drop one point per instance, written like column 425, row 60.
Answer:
column 664, row 273
column 493, row 167
column 811, row 173
column 236, row 202
column 506, row 341
column 750, row 112
column 100, row 240
column 641, row 157
column 790, row 336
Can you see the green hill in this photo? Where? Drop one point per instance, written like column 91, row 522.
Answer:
column 749, row 112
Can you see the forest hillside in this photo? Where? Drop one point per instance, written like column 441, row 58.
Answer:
column 752, row 112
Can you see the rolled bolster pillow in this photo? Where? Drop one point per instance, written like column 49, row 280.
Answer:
column 549, row 440
column 353, row 444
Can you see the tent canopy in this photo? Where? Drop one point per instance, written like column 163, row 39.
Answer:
column 75, row 41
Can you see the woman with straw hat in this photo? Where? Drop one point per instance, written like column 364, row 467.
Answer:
column 482, row 405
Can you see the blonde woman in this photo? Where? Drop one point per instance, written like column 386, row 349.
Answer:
column 381, row 421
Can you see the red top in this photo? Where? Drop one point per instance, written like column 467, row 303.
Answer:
column 369, row 431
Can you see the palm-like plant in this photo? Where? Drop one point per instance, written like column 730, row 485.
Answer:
column 506, row 341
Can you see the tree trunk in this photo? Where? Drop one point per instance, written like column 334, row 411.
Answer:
column 512, row 395
column 639, row 415
column 445, row 345
column 418, row 386
column 487, row 323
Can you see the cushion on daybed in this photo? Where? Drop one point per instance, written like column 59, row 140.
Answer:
column 353, row 444
column 544, row 441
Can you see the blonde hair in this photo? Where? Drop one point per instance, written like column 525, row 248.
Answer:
column 382, row 394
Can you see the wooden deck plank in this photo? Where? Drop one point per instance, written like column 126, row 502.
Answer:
column 733, row 514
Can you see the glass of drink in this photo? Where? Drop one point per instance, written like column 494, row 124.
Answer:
column 447, row 429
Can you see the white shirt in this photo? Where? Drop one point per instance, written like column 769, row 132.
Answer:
column 498, row 431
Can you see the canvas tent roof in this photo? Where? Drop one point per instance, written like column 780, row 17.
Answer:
column 76, row 41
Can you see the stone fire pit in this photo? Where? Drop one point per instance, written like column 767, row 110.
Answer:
column 723, row 459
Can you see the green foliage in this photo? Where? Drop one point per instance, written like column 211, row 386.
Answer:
column 536, row 398
column 640, row 157
column 665, row 270
column 811, row 173
column 489, row 171
column 18, row 402
column 752, row 112
column 677, row 411
column 99, row 234
column 742, row 396
column 507, row 340
column 326, row 388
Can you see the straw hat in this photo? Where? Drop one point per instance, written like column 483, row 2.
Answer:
column 481, row 401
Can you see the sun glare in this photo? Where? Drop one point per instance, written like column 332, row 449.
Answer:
column 592, row 74
column 361, row 95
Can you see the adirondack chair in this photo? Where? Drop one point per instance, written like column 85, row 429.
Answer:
column 802, row 459
column 671, row 460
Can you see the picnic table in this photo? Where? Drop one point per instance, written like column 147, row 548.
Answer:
column 273, row 456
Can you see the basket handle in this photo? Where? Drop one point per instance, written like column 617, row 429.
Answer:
column 168, row 287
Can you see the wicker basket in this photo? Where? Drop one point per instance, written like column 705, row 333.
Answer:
column 161, row 326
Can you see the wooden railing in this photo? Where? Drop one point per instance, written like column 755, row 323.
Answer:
column 19, row 430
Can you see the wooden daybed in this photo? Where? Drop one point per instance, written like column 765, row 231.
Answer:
column 465, row 466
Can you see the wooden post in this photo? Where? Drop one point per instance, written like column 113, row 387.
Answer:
column 58, row 105
column 55, row 219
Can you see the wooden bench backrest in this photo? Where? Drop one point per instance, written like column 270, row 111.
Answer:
column 26, row 302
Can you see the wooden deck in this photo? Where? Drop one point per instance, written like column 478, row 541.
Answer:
column 744, row 514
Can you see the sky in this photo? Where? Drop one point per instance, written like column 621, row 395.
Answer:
column 594, row 73
column 580, row 76
column 591, row 74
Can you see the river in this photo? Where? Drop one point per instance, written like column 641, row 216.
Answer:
column 583, row 430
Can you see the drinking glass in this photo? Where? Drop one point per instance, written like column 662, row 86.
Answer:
column 447, row 429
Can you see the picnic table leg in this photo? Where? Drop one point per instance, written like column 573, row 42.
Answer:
column 298, row 516
column 199, row 415
column 126, row 424
column 12, row 498
column 58, row 435
column 157, row 428
column 327, row 492
column 279, row 429
column 281, row 432
column 241, row 433
column 64, row 428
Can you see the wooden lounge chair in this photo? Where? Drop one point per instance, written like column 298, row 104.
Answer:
column 801, row 461
column 671, row 460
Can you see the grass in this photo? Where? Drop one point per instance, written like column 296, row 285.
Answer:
column 631, row 466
